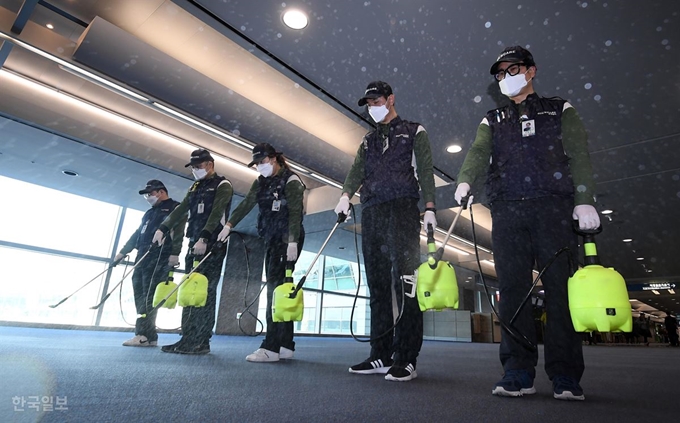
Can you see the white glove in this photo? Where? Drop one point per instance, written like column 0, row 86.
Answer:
column 173, row 261
column 430, row 218
column 199, row 247
column 158, row 237
column 118, row 258
column 587, row 216
column 292, row 252
column 343, row 206
column 462, row 191
column 224, row 233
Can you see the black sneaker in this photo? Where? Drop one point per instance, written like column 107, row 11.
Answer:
column 567, row 388
column 173, row 347
column 199, row 349
column 402, row 373
column 370, row 367
column 515, row 383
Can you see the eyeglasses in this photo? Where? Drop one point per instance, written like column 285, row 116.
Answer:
column 511, row 70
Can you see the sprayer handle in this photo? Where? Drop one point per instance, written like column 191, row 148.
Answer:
column 464, row 201
column 585, row 232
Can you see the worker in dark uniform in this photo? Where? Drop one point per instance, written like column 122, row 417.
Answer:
column 153, row 269
column 538, row 181
column 279, row 194
column 207, row 204
column 392, row 163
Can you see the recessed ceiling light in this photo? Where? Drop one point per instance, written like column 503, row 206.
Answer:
column 607, row 211
column 655, row 292
column 69, row 172
column 640, row 258
column 454, row 149
column 295, row 19
column 628, row 240
column 50, row 26
column 649, row 270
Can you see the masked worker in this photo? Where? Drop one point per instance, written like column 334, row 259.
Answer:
column 393, row 163
column 279, row 194
column 207, row 204
column 539, row 179
column 154, row 269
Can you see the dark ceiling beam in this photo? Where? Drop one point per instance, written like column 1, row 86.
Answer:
column 5, row 49
column 23, row 16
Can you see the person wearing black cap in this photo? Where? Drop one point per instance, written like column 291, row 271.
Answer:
column 206, row 204
column 537, row 182
column 279, row 194
column 154, row 269
column 385, row 168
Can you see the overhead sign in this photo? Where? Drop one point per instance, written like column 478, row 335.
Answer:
column 651, row 286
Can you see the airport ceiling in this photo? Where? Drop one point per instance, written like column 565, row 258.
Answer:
column 244, row 77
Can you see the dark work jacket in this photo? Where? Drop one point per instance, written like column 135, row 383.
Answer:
column 533, row 166
column 273, row 225
column 151, row 221
column 390, row 175
column 203, row 192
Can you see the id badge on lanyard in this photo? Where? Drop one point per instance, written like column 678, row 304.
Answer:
column 201, row 208
column 276, row 204
column 528, row 128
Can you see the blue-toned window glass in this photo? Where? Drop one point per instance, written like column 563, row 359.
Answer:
column 57, row 220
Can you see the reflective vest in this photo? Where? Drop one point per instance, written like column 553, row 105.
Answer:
column 530, row 166
column 272, row 221
column 151, row 220
column 201, row 198
column 389, row 171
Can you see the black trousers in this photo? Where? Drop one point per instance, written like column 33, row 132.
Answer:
column 144, row 282
column 525, row 232
column 198, row 322
column 391, row 249
column 279, row 334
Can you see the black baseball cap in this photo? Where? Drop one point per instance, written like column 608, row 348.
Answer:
column 153, row 185
column 376, row 89
column 199, row 156
column 262, row 150
column 514, row 54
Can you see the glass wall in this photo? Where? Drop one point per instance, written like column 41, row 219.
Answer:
column 329, row 292
column 52, row 246
column 50, row 254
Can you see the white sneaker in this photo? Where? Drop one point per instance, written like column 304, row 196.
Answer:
column 263, row 356
column 139, row 341
column 285, row 353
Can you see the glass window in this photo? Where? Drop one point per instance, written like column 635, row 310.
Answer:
column 67, row 222
column 301, row 267
column 343, row 276
column 337, row 313
column 33, row 281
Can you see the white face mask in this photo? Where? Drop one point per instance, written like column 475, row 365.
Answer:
column 378, row 113
column 265, row 169
column 512, row 85
column 152, row 200
column 199, row 173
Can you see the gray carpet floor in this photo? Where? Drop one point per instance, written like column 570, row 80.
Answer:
column 105, row 382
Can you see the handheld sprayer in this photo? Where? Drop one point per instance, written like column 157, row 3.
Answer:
column 598, row 296
column 288, row 298
column 437, row 286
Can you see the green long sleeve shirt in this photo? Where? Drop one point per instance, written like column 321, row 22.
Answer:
column 223, row 196
column 294, row 192
column 574, row 141
column 423, row 158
